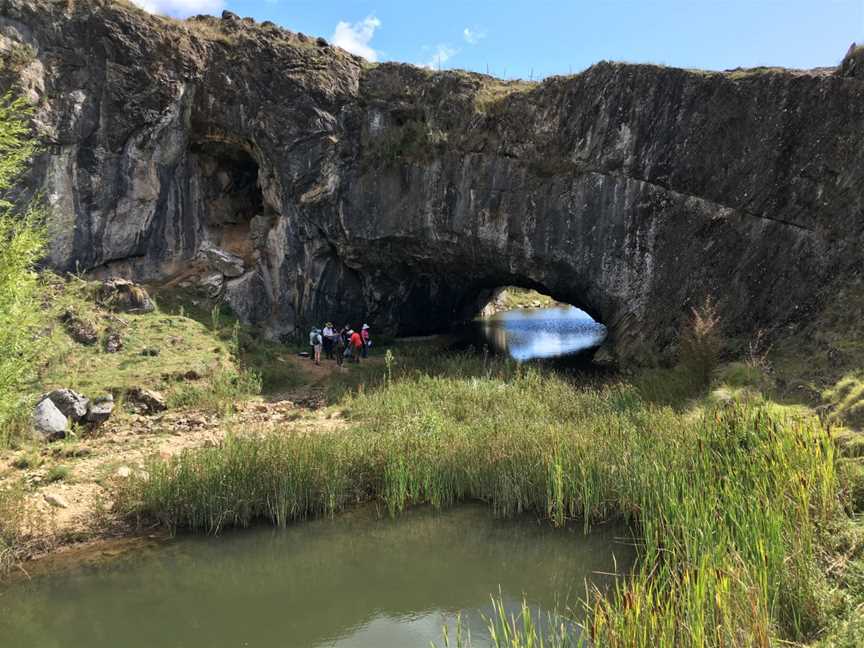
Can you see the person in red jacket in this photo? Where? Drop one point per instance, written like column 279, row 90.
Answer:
column 356, row 345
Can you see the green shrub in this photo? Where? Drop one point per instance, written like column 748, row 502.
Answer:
column 219, row 392
column 57, row 473
column 851, row 474
column 22, row 242
column 701, row 343
column 743, row 374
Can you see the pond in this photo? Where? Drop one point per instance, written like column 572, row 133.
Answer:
column 355, row 580
column 540, row 333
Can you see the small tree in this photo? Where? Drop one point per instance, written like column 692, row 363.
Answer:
column 22, row 242
column 701, row 342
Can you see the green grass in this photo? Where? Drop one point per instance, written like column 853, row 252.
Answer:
column 183, row 343
column 222, row 370
column 727, row 501
column 264, row 358
column 58, row 473
column 515, row 297
column 845, row 400
column 23, row 529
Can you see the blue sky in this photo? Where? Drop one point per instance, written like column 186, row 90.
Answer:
column 543, row 37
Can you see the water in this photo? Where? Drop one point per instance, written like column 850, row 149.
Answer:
column 355, row 581
column 541, row 333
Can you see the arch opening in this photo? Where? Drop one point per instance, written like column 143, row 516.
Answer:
column 525, row 323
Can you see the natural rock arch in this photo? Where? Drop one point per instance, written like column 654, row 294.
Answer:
column 396, row 195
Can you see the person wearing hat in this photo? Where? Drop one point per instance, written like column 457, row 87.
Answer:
column 329, row 333
column 367, row 341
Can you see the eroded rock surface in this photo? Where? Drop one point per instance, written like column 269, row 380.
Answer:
column 395, row 195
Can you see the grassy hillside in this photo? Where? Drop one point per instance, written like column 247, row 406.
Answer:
column 191, row 363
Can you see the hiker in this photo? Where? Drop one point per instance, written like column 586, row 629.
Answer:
column 339, row 347
column 345, row 336
column 356, row 345
column 329, row 339
column 367, row 340
column 315, row 342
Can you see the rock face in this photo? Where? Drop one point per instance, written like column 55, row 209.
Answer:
column 395, row 195
column 48, row 421
column 230, row 265
column 70, row 403
column 146, row 401
column 99, row 410
column 125, row 296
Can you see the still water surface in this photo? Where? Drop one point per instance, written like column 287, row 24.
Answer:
column 355, row 581
column 541, row 333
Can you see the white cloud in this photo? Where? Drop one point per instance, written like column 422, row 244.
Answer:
column 356, row 38
column 473, row 36
column 442, row 53
column 181, row 8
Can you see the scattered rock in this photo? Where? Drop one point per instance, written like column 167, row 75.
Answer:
column 124, row 295
column 114, row 343
column 57, row 500
column 229, row 265
column 150, row 351
column 70, row 403
column 78, row 329
column 99, row 410
column 145, row 401
column 213, row 284
column 49, row 423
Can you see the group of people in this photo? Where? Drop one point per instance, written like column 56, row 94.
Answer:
column 340, row 344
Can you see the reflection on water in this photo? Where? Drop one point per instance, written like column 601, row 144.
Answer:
column 355, row 581
column 542, row 333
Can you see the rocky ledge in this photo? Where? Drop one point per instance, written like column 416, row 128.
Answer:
column 302, row 182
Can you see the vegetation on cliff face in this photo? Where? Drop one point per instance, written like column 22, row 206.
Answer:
column 21, row 245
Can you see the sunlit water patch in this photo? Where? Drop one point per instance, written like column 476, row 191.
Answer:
column 542, row 333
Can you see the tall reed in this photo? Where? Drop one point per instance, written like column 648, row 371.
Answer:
column 726, row 502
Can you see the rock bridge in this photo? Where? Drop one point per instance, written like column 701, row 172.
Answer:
column 304, row 183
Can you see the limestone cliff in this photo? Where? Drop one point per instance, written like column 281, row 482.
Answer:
column 317, row 185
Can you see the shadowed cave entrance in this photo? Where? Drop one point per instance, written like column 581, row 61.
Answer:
column 229, row 196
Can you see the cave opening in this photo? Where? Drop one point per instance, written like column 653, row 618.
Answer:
column 230, row 198
column 527, row 324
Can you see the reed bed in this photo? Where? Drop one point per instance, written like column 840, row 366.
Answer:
column 726, row 503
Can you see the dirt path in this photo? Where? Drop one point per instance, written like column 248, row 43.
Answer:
column 316, row 378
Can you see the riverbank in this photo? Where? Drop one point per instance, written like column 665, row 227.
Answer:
column 735, row 504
